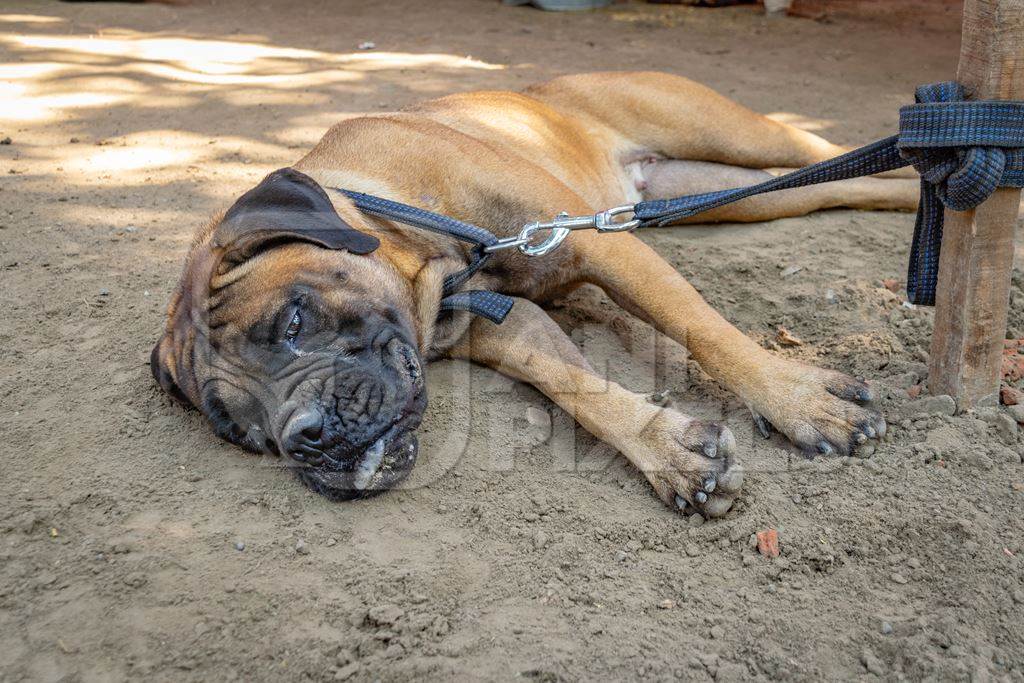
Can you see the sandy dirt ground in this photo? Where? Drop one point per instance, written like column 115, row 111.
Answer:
column 134, row 545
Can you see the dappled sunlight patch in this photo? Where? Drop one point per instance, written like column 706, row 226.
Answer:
column 33, row 92
column 131, row 158
column 30, row 70
column 221, row 57
column 144, row 135
column 212, row 55
column 20, row 107
column 372, row 61
column 128, row 68
column 29, row 19
column 289, row 80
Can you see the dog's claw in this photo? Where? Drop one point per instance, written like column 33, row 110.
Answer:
column 825, row 448
column 860, row 437
column 680, row 502
column 710, row 484
column 764, row 427
column 700, row 497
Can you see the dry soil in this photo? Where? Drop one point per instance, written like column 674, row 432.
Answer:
column 134, row 545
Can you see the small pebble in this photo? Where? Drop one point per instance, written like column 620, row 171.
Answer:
column 239, row 546
column 886, row 628
column 331, row 542
column 348, row 671
column 872, row 663
column 659, row 398
column 1007, row 428
column 300, row 547
column 872, row 465
column 898, row 578
column 666, row 604
column 538, row 417
column 135, row 579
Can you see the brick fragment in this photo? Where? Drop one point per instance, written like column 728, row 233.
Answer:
column 768, row 542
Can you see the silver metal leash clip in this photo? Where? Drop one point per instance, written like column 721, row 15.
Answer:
column 559, row 229
column 605, row 221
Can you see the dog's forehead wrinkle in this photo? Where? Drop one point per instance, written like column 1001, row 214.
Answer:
column 301, row 368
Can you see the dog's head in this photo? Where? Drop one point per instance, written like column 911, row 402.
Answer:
column 291, row 337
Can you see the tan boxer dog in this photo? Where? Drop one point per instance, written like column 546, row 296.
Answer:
column 295, row 334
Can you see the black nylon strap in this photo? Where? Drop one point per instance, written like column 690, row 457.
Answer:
column 490, row 305
column 963, row 151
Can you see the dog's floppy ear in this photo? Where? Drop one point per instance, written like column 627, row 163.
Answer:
column 287, row 206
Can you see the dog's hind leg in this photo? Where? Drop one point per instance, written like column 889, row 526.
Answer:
column 667, row 178
column 689, row 463
column 819, row 410
column 682, row 119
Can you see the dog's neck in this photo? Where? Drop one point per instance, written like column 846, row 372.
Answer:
column 421, row 257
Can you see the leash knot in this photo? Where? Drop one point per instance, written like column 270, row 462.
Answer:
column 960, row 148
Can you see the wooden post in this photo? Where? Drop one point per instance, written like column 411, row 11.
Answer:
column 973, row 292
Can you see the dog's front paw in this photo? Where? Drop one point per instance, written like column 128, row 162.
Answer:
column 691, row 464
column 821, row 411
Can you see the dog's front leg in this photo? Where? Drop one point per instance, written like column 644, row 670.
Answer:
column 819, row 410
column 689, row 463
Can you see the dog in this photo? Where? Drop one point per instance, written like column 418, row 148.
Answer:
column 301, row 326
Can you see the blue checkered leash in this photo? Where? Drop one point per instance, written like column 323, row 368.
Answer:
column 962, row 150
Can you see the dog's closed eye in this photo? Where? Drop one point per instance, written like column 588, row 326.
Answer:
column 294, row 327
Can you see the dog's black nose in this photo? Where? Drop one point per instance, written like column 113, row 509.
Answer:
column 300, row 437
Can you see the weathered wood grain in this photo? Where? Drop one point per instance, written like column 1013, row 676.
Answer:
column 973, row 291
